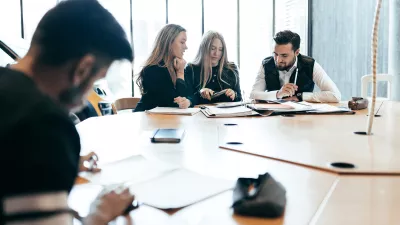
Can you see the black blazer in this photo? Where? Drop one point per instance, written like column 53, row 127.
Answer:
column 192, row 78
column 159, row 89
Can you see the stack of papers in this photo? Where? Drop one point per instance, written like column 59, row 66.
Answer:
column 173, row 111
column 213, row 111
column 283, row 107
column 265, row 106
column 232, row 104
column 301, row 107
column 325, row 108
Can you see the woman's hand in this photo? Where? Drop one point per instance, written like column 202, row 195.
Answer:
column 179, row 66
column 183, row 102
column 231, row 94
column 206, row 93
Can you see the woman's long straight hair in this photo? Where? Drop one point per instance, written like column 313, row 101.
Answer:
column 203, row 59
column 162, row 52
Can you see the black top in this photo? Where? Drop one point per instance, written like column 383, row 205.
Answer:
column 159, row 89
column 192, row 78
column 305, row 82
column 40, row 146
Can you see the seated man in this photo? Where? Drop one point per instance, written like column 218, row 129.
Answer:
column 73, row 46
column 291, row 76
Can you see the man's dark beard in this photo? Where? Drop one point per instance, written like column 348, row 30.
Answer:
column 73, row 95
column 287, row 68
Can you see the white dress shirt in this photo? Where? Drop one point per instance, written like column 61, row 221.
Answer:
column 329, row 91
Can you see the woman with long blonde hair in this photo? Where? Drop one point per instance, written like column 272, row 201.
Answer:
column 211, row 72
column 162, row 81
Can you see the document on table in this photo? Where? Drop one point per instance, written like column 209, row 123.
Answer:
column 173, row 111
column 179, row 188
column 131, row 170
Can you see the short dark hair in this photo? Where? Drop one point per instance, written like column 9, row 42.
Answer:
column 286, row 37
column 74, row 28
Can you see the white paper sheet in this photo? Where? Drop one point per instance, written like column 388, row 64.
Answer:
column 179, row 188
column 173, row 111
column 229, row 111
column 132, row 170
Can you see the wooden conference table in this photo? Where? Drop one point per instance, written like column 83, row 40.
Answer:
column 297, row 151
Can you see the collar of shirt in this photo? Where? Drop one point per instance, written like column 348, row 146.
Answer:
column 290, row 71
column 284, row 76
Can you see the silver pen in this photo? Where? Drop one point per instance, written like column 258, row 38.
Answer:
column 295, row 77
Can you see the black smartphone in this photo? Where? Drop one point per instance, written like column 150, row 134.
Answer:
column 167, row 135
column 218, row 94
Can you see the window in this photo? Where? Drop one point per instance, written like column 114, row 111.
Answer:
column 33, row 13
column 16, row 45
column 256, row 21
column 188, row 15
column 221, row 16
column 4, row 58
column 148, row 18
column 119, row 75
column 10, row 18
column 293, row 15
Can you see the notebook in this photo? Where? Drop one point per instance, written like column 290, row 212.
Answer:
column 173, row 111
column 229, row 104
column 301, row 108
column 274, row 106
column 213, row 111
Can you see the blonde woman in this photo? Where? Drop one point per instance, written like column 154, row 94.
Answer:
column 211, row 72
column 162, row 81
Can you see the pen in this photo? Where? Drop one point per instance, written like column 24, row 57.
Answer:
column 295, row 77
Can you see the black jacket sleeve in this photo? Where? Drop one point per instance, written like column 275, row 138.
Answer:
column 159, row 90
column 192, row 92
column 237, row 85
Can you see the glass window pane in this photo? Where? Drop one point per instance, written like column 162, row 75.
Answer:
column 187, row 14
column 293, row 15
column 120, row 10
column 221, row 16
column 149, row 17
column 256, row 21
column 119, row 75
column 33, row 13
column 4, row 58
column 10, row 18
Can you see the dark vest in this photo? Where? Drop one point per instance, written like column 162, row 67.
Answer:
column 305, row 81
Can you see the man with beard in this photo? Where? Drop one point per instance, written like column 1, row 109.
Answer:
column 73, row 46
column 291, row 76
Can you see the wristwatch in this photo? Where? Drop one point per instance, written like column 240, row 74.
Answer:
column 300, row 96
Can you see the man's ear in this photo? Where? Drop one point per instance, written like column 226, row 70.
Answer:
column 83, row 69
column 297, row 52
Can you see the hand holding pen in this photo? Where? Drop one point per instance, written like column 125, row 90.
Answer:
column 289, row 89
column 89, row 163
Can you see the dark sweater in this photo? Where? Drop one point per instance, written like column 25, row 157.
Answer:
column 40, row 146
column 159, row 89
column 192, row 78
